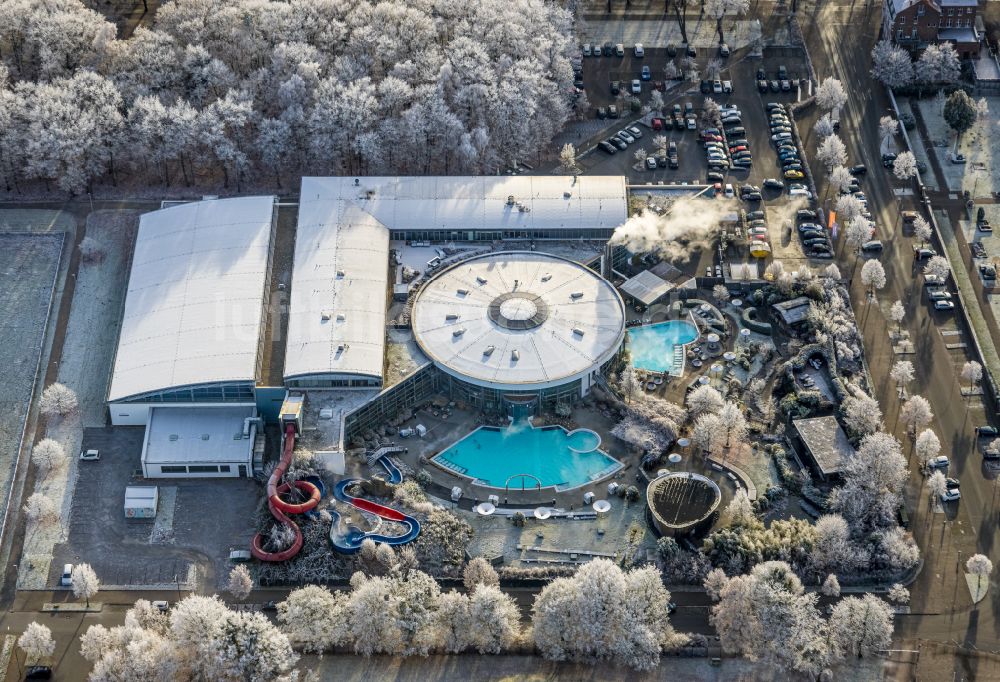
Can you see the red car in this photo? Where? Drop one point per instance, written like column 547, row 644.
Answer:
column 738, row 148
column 657, row 124
column 711, row 138
column 658, row 85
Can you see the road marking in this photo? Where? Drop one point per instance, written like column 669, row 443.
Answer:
column 950, row 332
column 955, row 346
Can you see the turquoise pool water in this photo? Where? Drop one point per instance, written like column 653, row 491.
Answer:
column 556, row 458
column 652, row 346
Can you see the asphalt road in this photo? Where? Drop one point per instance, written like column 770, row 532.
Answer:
column 941, row 602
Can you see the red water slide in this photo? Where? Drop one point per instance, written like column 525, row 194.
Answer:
column 280, row 509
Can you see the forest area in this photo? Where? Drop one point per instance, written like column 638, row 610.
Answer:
column 259, row 92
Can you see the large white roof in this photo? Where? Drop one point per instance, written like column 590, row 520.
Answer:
column 194, row 305
column 480, row 202
column 344, row 227
column 560, row 318
column 336, row 320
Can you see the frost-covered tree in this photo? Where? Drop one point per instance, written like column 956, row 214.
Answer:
column 40, row 510
column 897, row 594
column 937, row 485
column 873, row 482
column 916, row 413
column 897, row 313
column 832, row 152
column 937, row 267
column 48, row 455
column 494, row 619
column 830, row 586
column 732, row 423
column 905, row 166
column 972, row 372
column 862, row 414
column 831, row 271
column 567, row 159
column 830, row 94
column 249, row 647
column 888, row 128
column 891, row 65
column 840, row 178
column 938, row 65
column 710, row 112
column 979, row 564
column 740, row 512
column 873, row 276
column 478, row 572
column 928, row 446
column 58, row 400
column 604, row 614
column 831, row 550
column 902, row 373
column 714, row 583
column 36, row 642
column 704, row 400
column 767, row 615
column 861, row 626
column 660, row 142
column 313, row 618
column 824, row 126
column 628, row 384
column 848, row 208
column 85, row 582
column 717, row 9
column 240, row 583
column 454, row 629
column 858, row 231
column 91, row 250
column 922, row 230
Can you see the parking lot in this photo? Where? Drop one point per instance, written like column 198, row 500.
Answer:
column 198, row 520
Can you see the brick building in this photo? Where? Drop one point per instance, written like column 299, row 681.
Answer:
column 915, row 24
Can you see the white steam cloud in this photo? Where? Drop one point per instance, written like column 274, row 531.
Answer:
column 690, row 224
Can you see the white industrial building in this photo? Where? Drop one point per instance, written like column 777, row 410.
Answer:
column 194, row 309
column 189, row 348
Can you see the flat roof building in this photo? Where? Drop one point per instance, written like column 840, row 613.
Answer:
column 186, row 443
column 824, row 444
column 194, row 308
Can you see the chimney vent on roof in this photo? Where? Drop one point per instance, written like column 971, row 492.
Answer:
column 489, row 350
column 576, row 294
column 515, row 355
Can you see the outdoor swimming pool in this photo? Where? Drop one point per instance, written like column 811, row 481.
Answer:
column 549, row 454
column 659, row 347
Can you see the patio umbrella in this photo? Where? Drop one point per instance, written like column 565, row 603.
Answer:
column 485, row 508
column 542, row 513
column 602, row 506
column 674, row 458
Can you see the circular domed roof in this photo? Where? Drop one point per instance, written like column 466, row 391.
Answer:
column 516, row 319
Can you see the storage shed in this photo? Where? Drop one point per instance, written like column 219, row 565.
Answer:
column 141, row 501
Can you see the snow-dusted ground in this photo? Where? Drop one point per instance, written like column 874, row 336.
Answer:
column 28, row 265
column 88, row 351
column 981, row 146
column 928, row 177
column 701, row 31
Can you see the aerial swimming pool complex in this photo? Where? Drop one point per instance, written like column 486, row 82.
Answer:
column 660, row 347
column 521, row 455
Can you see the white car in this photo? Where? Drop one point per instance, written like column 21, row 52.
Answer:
column 636, row 87
column 90, row 455
column 727, row 86
column 933, row 280
column 951, row 495
column 729, row 192
column 944, row 305
column 956, row 158
column 939, row 462
column 626, row 136
column 777, row 137
column 939, row 295
column 586, row 50
column 639, row 51
column 800, row 193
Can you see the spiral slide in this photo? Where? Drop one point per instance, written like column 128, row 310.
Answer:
column 281, row 509
column 347, row 538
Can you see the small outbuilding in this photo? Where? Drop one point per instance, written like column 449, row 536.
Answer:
column 792, row 314
column 141, row 501
column 823, row 445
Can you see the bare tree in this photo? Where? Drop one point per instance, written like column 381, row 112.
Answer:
column 58, row 399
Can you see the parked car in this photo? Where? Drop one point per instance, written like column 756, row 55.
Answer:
column 717, row 87
column 736, row 130
column 987, row 431
column 859, row 169
column 793, row 175
column 939, row 295
column 872, row 245
column 651, row 162
column 634, row 131
column 586, row 50
column 602, row 112
column 706, row 87
column 714, row 176
column 619, row 50
column 951, row 495
column 723, row 50
column 952, row 483
column 944, row 305
column 613, row 111
column 824, row 255
column 815, row 241
column 781, row 136
column 645, row 73
column 671, row 50
column 727, row 86
column 798, row 191
column 66, row 579
column 774, row 86
column 956, row 158
column 924, row 253
column 636, row 87
column 609, row 49
column 755, row 215
column 691, row 52
column 639, row 51
column 729, row 192
column 90, row 455
column 806, row 214
column 811, row 234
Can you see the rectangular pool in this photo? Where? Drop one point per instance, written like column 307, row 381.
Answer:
column 521, row 454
